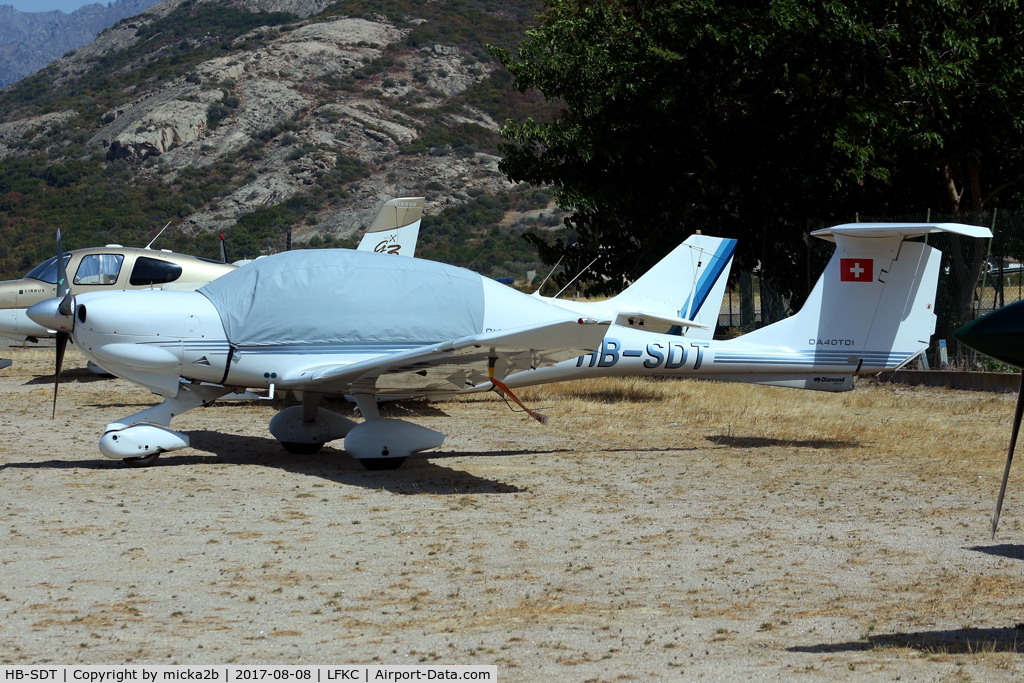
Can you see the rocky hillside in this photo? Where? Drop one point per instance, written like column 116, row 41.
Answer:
column 251, row 117
column 31, row 40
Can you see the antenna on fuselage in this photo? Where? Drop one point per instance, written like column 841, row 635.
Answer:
column 537, row 291
column 576, row 278
column 158, row 235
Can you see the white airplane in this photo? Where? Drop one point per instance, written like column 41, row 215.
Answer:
column 357, row 323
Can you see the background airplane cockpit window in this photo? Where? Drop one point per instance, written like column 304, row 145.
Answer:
column 151, row 271
column 99, row 269
column 47, row 270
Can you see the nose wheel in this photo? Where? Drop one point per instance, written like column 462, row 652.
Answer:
column 299, row 448
column 142, row 460
column 381, row 464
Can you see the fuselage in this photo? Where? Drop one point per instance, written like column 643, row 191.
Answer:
column 156, row 337
column 823, row 364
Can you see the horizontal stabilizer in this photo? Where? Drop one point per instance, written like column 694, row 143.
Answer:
column 648, row 320
column 899, row 230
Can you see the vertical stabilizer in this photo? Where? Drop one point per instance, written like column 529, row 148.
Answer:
column 874, row 305
column 396, row 227
column 688, row 284
column 681, row 295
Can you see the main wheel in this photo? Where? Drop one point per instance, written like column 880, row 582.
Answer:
column 381, row 464
column 142, row 460
column 300, row 448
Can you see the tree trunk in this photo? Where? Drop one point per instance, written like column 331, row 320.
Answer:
column 976, row 201
column 966, row 257
column 949, row 185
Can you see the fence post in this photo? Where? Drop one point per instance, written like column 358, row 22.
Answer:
column 984, row 265
column 747, row 320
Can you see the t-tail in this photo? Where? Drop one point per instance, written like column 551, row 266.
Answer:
column 872, row 309
column 396, row 227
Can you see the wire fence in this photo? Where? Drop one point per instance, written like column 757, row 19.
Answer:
column 976, row 277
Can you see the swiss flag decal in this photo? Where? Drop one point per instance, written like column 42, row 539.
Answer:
column 856, row 269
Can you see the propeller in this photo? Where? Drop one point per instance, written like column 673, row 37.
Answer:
column 1000, row 335
column 57, row 314
column 1009, row 456
column 65, row 308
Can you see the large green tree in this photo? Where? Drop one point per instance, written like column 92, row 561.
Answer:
column 761, row 121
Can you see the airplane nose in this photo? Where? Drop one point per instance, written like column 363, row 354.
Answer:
column 47, row 313
column 999, row 334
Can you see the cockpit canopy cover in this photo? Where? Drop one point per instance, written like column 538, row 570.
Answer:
column 341, row 296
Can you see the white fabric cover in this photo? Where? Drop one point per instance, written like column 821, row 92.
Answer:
column 341, row 296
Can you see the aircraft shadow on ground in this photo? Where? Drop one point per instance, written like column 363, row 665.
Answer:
column 1013, row 551
column 79, row 376
column 763, row 442
column 953, row 641
column 416, row 476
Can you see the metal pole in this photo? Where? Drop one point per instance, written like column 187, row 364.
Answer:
column 807, row 241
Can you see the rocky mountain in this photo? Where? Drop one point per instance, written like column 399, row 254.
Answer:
column 255, row 117
column 31, row 40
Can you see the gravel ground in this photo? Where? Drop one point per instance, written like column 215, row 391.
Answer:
column 557, row 553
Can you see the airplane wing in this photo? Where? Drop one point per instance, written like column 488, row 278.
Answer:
column 453, row 366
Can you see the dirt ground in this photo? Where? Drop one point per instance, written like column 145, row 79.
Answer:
column 654, row 530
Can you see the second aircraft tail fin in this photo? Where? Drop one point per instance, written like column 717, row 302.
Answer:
column 396, row 227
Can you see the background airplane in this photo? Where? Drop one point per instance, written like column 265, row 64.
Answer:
column 357, row 323
column 395, row 228
column 113, row 267
column 99, row 269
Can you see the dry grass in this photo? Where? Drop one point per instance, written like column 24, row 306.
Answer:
column 946, row 429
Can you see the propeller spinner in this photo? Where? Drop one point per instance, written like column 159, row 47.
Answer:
column 1000, row 335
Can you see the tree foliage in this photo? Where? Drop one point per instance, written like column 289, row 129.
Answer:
column 761, row 121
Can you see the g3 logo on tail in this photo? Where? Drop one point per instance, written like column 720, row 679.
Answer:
column 385, row 248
